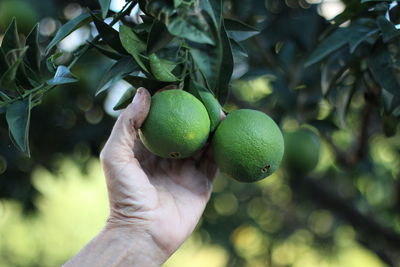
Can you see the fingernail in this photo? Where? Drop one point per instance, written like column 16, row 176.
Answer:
column 139, row 91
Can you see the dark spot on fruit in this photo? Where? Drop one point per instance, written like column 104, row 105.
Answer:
column 266, row 168
column 175, row 155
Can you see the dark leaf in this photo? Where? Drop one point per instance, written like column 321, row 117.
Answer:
column 226, row 71
column 192, row 27
column 107, row 52
column 105, row 5
column 177, row 3
column 18, row 118
column 391, row 103
column 238, row 49
column 68, row 28
column 11, row 39
column 63, row 76
column 238, row 30
column 158, row 37
column 3, row 62
column 388, row 30
column 390, row 125
column 33, row 55
column 382, row 70
column 4, row 97
column 134, row 45
column 344, row 95
column 119, row 70
column 125, row 99
column 149, row 84
column 109, row 35
column 8, row 79
column 333, row 42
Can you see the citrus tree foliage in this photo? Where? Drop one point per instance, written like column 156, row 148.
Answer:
column 340, row 77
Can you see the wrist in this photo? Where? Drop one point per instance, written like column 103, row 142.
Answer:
column 136, row 240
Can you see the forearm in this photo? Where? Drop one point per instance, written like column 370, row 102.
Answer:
column 119, row 246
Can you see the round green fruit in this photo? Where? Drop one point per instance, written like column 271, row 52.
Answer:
column 177, row 125
column 248, row 145
column 302, row 149
column 23, row 11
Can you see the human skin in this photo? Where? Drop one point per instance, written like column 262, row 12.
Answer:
column 155, row 203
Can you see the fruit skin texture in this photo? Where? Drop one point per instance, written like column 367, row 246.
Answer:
column 302, row 149
column 23, row 11
column 248, row 145
column 177, row 125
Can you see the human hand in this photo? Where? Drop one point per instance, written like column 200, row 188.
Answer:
column 160, row 197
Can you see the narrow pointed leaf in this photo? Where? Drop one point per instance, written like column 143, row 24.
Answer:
column 8, row 79
column 107, row 52
column 226, row 67
column 134, row 45
column 383, row 72
column 149, row 84
column 119, row 70
column 125, row 99
column 239, row 31
column 389, row 31
column 33, row 55
column 333, row 42
column 18, row 118
column 63, row 76
column 109, row 35
column 3, row 63
column 105, row 5
column 67, row 29
column 162, row 69
column 11, row 38
column 158, row 37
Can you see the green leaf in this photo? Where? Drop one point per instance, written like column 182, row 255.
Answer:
column 119, row 70
column 63, row 76
column 4, row 97
column 3, row 63
column 389, row 31
column 162, row 69
column 177, row 3
column 359, row 37
column 125, row 99
column 134, row 45
column 158, row 37
column 109, row 35
column 343, row 98
column 11, row 39
column 238, row 49
column 239, row 31
column 18, row 118
column 391, row 103
column 107, row 52
column 192, row 27
column 8, row 79
column 332, row 43
column 383, row 72
column 33, row 54
column 226, row 70
column 67, row 29
column 105, row 5
column 335, row 66
column 149, row 84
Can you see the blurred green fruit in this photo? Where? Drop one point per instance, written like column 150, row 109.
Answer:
column 248, row 145
column 177, row 125
column 23, row 11
column 302, row 149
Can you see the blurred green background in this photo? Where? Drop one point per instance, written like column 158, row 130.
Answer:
column 345, row 213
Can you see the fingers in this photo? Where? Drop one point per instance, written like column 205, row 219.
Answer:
column 119, row 146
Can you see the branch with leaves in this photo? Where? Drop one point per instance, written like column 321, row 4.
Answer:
column 187, row 44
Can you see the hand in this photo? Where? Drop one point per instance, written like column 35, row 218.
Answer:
column 160, row 197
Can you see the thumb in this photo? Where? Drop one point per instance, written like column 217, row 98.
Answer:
column 119, row 146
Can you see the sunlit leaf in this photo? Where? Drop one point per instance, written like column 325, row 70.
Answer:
column 134, row 45
column 67, row 29
column 162, row 69
column 63, row 76
column 18, row 118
